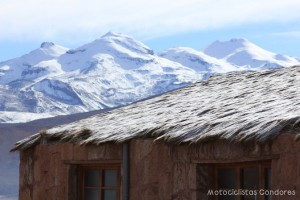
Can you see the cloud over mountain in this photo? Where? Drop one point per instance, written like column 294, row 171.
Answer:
column 27, row 19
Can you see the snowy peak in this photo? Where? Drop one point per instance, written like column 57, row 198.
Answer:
column 52, row 50
column 47, row 51
column 114, row 34
column 243, row 53
column 197, row 60
column 47, row 44
column 187, row 57
column 124, row 41
column 118, row 42
column 221, row 49
column 36, row 63
column 238, row 40
column 126, row 51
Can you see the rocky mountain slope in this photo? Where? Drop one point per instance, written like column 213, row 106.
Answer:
column 114, row 70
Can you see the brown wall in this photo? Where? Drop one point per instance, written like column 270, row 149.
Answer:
column 286, row 169
column 157, row 171
column 45, row 170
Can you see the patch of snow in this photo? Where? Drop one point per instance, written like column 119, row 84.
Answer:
column 4, row 68
column 21, row 117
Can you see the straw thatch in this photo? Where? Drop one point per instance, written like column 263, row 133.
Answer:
column 238, row 107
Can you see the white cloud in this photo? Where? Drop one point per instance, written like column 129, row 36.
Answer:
column 67, row 20
column 288, row 34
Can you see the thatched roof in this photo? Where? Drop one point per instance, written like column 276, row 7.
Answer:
column 239, row 107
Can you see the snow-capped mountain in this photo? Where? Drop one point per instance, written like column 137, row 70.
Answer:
column 31, row 65
column 111, row 71
column 114, row 70
column 241, row 52
column 126, row 51
column 198, row 61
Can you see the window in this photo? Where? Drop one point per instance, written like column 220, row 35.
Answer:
column 249, row 177
column 100, row 182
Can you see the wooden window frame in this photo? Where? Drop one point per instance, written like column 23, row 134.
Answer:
column 261, row 165
column 100, row 167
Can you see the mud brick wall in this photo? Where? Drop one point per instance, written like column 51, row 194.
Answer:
column 158, row 170
column 151, row 171
column 45, row 169
column 286, row 169
column 171, row 172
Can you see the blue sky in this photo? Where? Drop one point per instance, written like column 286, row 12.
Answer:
column 160, row 24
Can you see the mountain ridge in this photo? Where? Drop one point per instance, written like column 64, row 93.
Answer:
column 115, row 70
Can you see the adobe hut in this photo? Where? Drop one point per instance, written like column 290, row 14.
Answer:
column 231, row 137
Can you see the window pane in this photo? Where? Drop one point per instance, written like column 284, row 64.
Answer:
column 268, row 182
column 250, row 178
column 250, row 181
column 91, row 178
column 227, row 178
column 91, row 194
column 109, row 195
column 267, row 178
column 110, row 178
